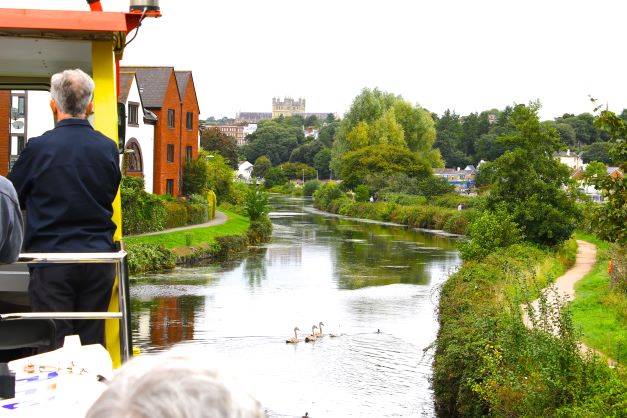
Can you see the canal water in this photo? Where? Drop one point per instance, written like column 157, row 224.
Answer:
column 374, row 285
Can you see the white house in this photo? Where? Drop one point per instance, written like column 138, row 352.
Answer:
column 30, row 117
column 140, row 131
column 245, row 170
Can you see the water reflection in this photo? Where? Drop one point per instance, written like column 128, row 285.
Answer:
column 355, row 277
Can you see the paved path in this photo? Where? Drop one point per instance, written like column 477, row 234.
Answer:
column 219, row 219
column 564, row 288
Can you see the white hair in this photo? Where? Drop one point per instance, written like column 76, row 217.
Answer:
column 72, row 91
column 172, row 386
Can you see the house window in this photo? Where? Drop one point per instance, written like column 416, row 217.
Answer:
column 21, row 106
column 190, row 121
column 170, row 118
column 169, row 187
column 188, row 153
column 133, row 110
column 20, row 143
column 170, row 153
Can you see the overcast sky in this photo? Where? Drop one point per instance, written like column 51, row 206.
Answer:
column 464, row 55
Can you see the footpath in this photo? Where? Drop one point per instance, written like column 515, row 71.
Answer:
column 219, row 219
column 563, row 290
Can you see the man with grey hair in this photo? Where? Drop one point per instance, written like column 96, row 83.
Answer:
column 173, row 385
column 66, row 179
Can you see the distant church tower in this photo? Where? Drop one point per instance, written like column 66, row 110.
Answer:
column 287, row 107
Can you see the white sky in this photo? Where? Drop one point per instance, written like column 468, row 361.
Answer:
column 465, row 55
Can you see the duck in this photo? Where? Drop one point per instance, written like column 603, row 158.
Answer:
column 295, row 339
column 320, row 334
column 335, row 334
column 313, row 336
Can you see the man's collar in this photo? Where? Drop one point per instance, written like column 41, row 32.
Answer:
column 73, row 121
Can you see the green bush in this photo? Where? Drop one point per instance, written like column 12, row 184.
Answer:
column 149, row 257
column 362, row 193
column 326, row 194
column 405, row 199
column 212, row 200
column 260, row 230
column 256, row 204
column 141, row 212
column 489, row 231
column 275, row 177
column 198, row 213
column 310, row 187
column 176, row 214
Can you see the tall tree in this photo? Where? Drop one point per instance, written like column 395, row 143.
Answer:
column 213, row 139
column 384, row 119
column 529, row 181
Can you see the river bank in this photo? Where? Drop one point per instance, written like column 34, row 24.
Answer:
column 488, row 363
column 216, row 240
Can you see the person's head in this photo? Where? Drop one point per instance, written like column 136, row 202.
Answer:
column 167, row 385
column 72, row 94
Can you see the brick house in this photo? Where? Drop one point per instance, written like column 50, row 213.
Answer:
column 176, row 129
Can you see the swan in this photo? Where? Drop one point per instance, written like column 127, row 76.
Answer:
column 295, row 339
column 320, row 334
column 313, row 336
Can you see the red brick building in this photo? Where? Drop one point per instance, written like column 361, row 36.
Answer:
column 171, row 96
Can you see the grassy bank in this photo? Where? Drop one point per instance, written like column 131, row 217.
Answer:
column 164, row 251
column 441, row 214
column 599, row 311
column 488, row 364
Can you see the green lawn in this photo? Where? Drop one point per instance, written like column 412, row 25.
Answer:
column 598, row 311
column 235, row 225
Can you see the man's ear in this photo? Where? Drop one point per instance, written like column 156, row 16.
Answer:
column 90, row 109
column 53, row 106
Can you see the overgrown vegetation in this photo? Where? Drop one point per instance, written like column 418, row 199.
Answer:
column 329, row 197
column 488, row 363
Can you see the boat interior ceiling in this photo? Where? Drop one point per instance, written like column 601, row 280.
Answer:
column 28, row 63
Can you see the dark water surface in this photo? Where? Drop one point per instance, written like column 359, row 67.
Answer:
column 355, row 277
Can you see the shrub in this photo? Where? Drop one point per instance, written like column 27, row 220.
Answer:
column 256, row 204
column 198, row 213
column 362, row 193
column 141, row 211
column 176, row 214
column 618, row 271
column 491, row 230
column 212, row 200
column 310, row 187
column 149, row 257
column 275, row 177
column 260, row 230
column 326, row 194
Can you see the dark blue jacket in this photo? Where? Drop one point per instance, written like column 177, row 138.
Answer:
column 66, row 180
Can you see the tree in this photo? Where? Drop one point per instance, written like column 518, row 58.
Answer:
column 220, row 178
column 213, row 140
column 295, row 171
column 384, row 159
column 275, row 177
column 489, row 231
column 528, row 180
column 261, row 166
column 379, row 118
column 305, row 153
column 598, row 151
column 327, row 133
column 275, row 139
column 321, row 163
column 612, row 215
column 196, row 175
column 595, row 172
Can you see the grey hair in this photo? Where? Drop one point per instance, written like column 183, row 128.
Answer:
column 72, row 91
column 167, row 386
